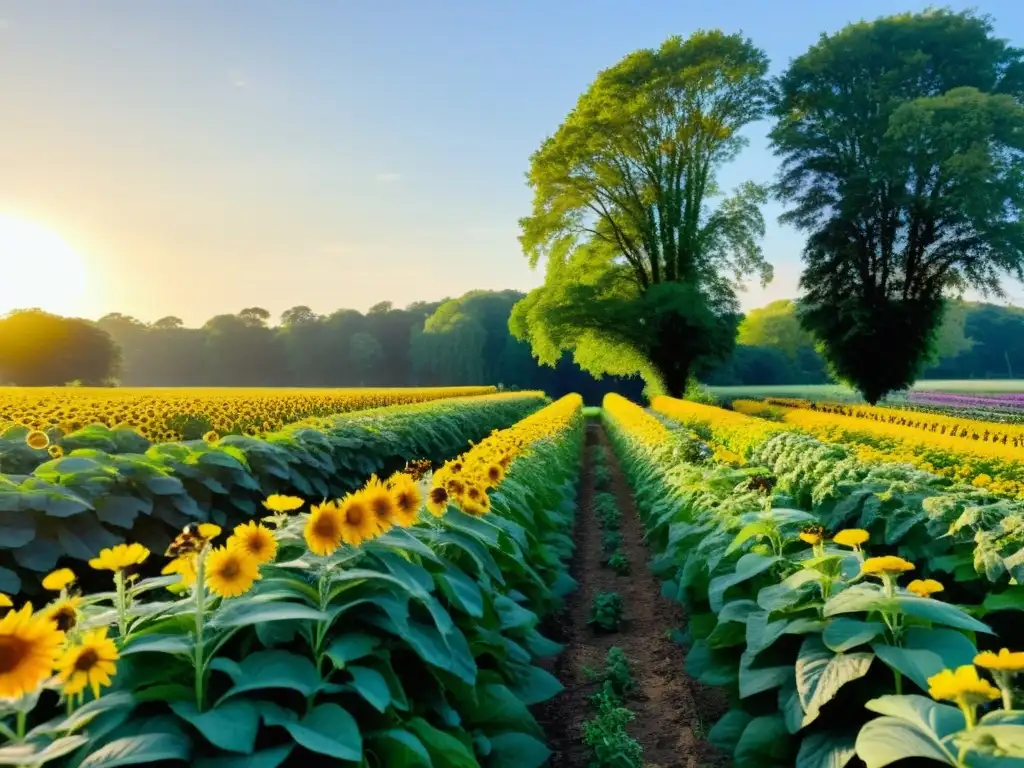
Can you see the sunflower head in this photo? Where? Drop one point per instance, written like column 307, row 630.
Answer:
column 230, row 572
column 358, row 520
column 437, row 501
column 889, row 565
column 406, row 498
column 64, row 613
column 281, row 504
column 184, row 566
column 256, row 540
column 962, row 686
column 323, row 529
column 59, row 580
column 29, row 645
column 55, row 451
column 1004, row 661
column 851, row 537
column 380, row 503
column 88, row 664
column 119, row 558
column 211, row 437
column 811, row 536
column 37, row 439
column 925, row 587
column 495, row 473
column 5, row 601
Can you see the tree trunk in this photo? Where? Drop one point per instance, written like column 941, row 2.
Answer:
column 675, row 375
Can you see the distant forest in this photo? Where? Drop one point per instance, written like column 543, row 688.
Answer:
column 452, row 342
column 975, row 341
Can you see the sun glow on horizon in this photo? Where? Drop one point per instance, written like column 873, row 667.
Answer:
column 39, row 269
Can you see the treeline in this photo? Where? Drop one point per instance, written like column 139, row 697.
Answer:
column 453, row 342
column 974, row 341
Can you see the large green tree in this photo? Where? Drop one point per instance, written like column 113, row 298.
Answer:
column 641, row 266
column 901, row 145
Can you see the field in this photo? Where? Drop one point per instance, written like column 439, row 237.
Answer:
column 498, row 580
column 845, row 394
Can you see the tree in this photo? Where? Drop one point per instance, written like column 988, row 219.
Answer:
column 365, row 353
column 901, row 145
column 640, row 265
column 41, row 349
column 775, row 325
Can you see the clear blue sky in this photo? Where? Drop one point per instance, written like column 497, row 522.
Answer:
column 207, row 156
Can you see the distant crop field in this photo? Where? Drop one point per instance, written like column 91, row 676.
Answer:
column 841, row 393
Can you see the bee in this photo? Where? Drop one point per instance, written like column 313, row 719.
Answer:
column 188, row 542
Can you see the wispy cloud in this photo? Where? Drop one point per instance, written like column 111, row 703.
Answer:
column 238, row 79
column 388, row 178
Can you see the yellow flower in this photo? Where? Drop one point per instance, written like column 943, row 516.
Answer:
column 209, row 530
column 211, row 437
column 323, row 530
column 257, row 540
column 1004, row 661
column 230, row 572
column 184, row 566
column 120, row 557
column 64, row 613
column 962, row 686
column 59, row 579
column 55, row 451
column 279, row 503
column 37, row 439
column 889, row 565
column 29, row 644
column 406, row 497
column 925, row 587
column 810, row 538
column 495, row 474
column 90, row 663
column 358, row 523
column 380, row 503
column 851, row 537
column 5, row 601
column 437, row 501
column 982, row 481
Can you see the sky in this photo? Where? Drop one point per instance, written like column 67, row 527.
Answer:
column 202, row 157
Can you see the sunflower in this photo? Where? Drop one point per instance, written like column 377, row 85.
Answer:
column 810, row 537
column 323, row 531
column 55, row 451
column 211, row 437
column 29, row 644
column 378, row 499
column 184, row 566
column 231, row 572
column 437, row 501
column 358, row 522
column 406, row 497
column 5, row 601
column 495, row 473
column 962, row 686
column 120, row 557
column 1004, row 661
column 37, row 439
column 64, row 613
column 925, row 587
column 890, row 565
column 851, row 537
column 209, row 531
column 59, row 579
column 279, row 503
column 91, row 663
column 255, row 539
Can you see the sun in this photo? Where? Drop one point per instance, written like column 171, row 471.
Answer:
column 38, row 269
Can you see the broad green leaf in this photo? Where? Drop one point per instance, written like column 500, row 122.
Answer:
column 517, row 750
column 841, row 634
column 328, row 730
column 231, row 725
column 918, row 661
column 824, row 749
column 445, row 749
column 37, row 753
column 372, row 686
column 748, row 566
column 246, row 613
column 886, row 740
column 534, row 685
column 764, row 741
column 350, row 647
column 921, row 712
column 157, row 644
column 820, row 673
column 725, row 734
column 135, row 750
column 275, row 669
column 398, row 748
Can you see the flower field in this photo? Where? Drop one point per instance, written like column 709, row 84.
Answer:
column 856, row 613
column 303, row 614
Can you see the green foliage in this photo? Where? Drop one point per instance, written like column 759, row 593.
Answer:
column 607, row 510
column 775, row 325
column 901, row 143
column 602, row 475
column 639, row 263
column 605, row 734
column 41, row 349
column 416, row 648
column 619, row 563
column 606, row 611
column 611, row 541
column 113, row 486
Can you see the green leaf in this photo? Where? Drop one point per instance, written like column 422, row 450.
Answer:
column 266, row 758
column 275, row 669
column 747, row 567
column 841, row 634
column 765, row 739
column 922, row 712
column 445, row 750
column 886, row 740
column 820, row 673
column 725, row 734
column 157, row 644
column 328, row 730
column 133, row 750
column 350, row 647
column 231, row 726
column 534, row 685
column 517, row 750
column 248, row 613
column 824, row 749
column 372, row 686
column 398, row 748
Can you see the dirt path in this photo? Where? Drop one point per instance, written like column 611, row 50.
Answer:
column 673, row 713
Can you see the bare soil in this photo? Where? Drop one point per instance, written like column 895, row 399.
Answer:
column 673, row 712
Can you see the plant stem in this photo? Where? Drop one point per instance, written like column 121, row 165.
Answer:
column 899, row 682
column 122, row 609
column 21, row 721
column 200, row 625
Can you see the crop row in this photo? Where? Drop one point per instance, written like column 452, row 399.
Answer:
column 71, row 507
column 827, row 597
column 290, row 645
column 164, row 415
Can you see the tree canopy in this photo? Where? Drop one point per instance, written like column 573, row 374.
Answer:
column 901, row 144
column 641, row 266
column 41, row 349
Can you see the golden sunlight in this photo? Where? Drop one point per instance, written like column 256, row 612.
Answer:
column 38, row 269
